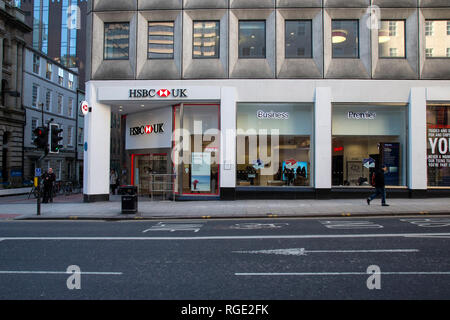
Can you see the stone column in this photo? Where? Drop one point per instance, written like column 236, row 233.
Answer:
column 228, row 143
column 322, row 142
column 417, row 141
column 97, row 126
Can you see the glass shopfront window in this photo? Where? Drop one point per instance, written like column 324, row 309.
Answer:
column 274, row 144
column 198, row 125
column 365, row 137
column 438, row 145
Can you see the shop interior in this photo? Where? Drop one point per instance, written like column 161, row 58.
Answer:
column 281, row 163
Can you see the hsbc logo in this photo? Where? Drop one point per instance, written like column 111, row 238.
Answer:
column 154, row 93
column 163, row 93
column 147, row 129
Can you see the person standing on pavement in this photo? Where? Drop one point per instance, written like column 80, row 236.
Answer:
column 379, row 186
column 113, row 181
column 48, row 178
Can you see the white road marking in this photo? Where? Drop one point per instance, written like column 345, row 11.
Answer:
column 345, row 224
column 429, row 222
column 337, row 273
column 60, row 272
column 431, row 237
column 255, row 226
column 172, row 227
column 310, row 236
column 304, row 252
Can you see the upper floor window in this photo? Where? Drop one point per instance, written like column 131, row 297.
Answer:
column 117, row 41
column 298, row 39
column 70, row 136
column 393, row 28
column 429, row 28
column 70, row 81
column 448, row 28
column 429, row 52
column 206, row 38
column 252, row 39
column 391, row 39
column 35, row 96
column 160, row 40
column 48, row 72
column 48, row 100
column 60, row 104
column 34, row 125
column 438, row 38
column 345, row 38
column 60, row 76
column 80, row 135
column 36, row 63
column 70, row 107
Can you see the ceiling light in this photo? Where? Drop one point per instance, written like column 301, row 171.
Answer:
column 339, row 36
column 383, row 36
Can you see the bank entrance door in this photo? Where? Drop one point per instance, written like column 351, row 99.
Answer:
column 149, row 172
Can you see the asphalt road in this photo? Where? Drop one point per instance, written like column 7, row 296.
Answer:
column 265, row 259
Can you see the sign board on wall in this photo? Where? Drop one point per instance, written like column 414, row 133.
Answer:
column 438, row 146
column 201, row 172
column 390, row 153
column 149, row 129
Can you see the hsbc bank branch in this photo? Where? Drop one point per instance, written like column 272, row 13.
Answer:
column 284, row 139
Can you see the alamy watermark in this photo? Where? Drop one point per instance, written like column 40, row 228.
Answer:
column 374, row 280
column 74, row 280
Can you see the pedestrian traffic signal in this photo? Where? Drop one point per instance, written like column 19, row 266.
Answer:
column 55, row 138
column 40, row 137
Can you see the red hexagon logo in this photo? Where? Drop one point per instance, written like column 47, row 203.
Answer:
column 163, row 93
column 148, row 129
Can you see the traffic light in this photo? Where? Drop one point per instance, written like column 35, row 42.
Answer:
column 40, row 137
column 55, row 138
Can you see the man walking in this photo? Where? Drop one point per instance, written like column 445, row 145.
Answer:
column 379, row 186
column 48, row 178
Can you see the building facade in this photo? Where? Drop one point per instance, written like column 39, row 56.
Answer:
column 50, row 96
column 271, row 98
column 59, row 31
column 12, row 113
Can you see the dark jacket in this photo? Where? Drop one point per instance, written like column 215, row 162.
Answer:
column 48, row 179
column 379, row 179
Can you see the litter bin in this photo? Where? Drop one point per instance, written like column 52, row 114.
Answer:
column 129, row 199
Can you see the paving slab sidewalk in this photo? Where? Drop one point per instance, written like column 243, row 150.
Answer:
column 226, row 209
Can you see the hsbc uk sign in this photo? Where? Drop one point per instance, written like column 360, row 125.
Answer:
column 155, row 93
column 147, row 129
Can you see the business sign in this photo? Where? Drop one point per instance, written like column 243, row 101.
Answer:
column 368, row 115
column 267, row 115
column 149, row 129
column 161, row 93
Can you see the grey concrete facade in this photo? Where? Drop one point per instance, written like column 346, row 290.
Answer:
column 368, row 65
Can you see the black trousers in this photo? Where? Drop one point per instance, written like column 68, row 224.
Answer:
column 48, row 194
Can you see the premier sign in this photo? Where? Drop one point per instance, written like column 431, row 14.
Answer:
column 155, row 93
column 147, row 129
column 368, row 115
